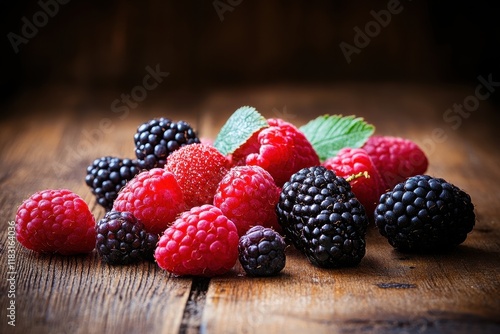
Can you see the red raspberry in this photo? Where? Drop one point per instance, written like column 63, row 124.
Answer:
column 201, row 242
column 153, row 197
column 396, row 158
column 56, row 221
column 247, row 195
column 198, row 169
column 352, row 161
column 281, row 149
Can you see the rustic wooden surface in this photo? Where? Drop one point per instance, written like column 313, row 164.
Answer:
column 389, row 292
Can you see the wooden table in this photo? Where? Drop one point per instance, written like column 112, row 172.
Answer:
column 388, row 292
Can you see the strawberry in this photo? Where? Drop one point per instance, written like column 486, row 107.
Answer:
column 198, row 168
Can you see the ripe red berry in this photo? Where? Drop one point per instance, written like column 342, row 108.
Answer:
column 247, row 195
column 367, row 188
column 153, row 197
column 198, row 169
column 281, row 149
column 396, row 158
column 201, row 242
column 56, row 221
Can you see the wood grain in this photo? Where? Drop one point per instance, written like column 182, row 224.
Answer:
column 389, row 292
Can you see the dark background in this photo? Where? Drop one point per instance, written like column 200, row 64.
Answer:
column 105, row 45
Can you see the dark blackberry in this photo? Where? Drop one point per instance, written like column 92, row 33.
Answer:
column 425, row 214
column 156, row 139
column 107, row 175
column 262, row 251
column 122, row 239
column 322, row 218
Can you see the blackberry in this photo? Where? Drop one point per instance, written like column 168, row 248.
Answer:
column 425, row 214
column 322, row 218
column 157, row 138
column 107, row 175
column 122, row 239
column 262, row 251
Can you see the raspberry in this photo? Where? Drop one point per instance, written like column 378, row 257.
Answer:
column 322, row 218
column 122, row 239
column 281, row 149
column 247, row 195
column 425, row 214
column 368, row 188
column 396, row 158
column 156, row 139
column 153, row 197
column 201, row 242
column 56, row 221
column 198, row 169
column 262, row 251
column 107, row 175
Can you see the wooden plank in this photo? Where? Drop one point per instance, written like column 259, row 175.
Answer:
column 83, row 295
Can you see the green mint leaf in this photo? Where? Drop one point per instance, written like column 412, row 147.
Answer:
column 239, row 127
column 328, row 134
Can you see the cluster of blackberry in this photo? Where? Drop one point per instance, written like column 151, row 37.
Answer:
column 122, row 239
column 425, row 214
column 107, row 175
column 262, row 251
column 154, row 141
column 157, row 139
column 322, row 217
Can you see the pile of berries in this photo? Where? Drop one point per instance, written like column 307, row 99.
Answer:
column 196, row 209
